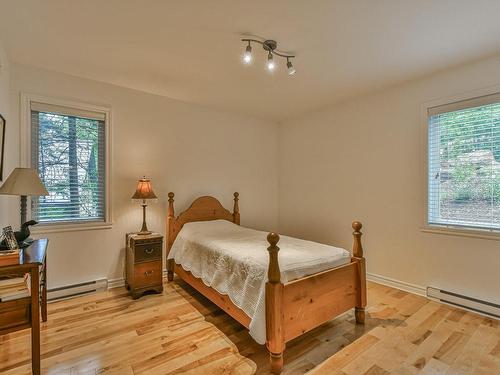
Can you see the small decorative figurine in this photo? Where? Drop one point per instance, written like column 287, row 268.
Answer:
column 20, row 238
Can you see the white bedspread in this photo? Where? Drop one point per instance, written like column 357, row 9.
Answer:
column 234, row 260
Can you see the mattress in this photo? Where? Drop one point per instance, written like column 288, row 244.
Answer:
column 234, row 260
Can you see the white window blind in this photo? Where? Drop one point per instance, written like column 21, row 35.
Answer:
column 464, row 164
column 68, row 149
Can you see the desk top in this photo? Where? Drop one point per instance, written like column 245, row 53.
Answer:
column 34, row 253
column 32, row 256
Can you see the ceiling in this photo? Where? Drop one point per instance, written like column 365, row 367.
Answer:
column 191, row 50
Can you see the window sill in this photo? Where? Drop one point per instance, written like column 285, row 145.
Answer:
column 461, row 232
column 70, row 227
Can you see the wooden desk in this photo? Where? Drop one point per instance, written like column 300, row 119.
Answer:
column 24, row 312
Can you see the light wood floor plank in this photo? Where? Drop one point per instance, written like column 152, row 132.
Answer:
column 180, row 332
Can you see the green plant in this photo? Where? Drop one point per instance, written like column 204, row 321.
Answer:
column 462, row 183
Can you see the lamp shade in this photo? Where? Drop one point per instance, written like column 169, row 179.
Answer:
column 144, row 190
column 23, row 181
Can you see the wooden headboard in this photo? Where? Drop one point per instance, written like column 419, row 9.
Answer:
column 202, row 209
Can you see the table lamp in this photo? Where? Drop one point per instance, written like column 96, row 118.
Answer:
column 23, row 182
column 144, row 194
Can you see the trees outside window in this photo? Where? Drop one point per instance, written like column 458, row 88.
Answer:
column 69, row 153
column 464, row 167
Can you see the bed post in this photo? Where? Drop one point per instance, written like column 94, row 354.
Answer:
column 170, row 233
column 275, row 340
column 357, row 252
column 236, row 209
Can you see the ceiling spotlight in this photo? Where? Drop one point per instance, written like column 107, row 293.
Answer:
column 270, row 62
column 247, row 56
column 269, row 46
column 290, row 68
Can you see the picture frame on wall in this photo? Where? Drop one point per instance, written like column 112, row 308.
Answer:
column 2, row 144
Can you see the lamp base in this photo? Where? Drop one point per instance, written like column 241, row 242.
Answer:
column 24, row 206
column 144, row 230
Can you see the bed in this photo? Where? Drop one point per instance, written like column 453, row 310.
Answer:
column 276, row 297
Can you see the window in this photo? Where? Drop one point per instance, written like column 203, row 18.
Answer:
column 68, row 148
column 464, row 164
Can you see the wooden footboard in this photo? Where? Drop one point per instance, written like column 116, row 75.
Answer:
column 314, row 300
column 299, row 306
column 292, row 308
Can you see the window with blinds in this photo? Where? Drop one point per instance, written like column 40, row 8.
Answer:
column 68, row 149
column 464, row 164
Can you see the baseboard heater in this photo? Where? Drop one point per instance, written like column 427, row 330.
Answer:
column 76, row 290
column 483, row 307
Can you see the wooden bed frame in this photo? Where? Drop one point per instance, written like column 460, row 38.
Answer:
column 292, row 308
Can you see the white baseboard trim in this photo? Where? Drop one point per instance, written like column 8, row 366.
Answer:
column 75, row 290
column 116, row 283
column 407, row 287
column 120, row 282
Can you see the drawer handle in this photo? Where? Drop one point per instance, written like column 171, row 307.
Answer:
column 149, row 251
column 148, row 273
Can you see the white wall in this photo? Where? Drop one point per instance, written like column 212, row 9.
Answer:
column 7, row 204
column 362, row 160
column 356, row 160
column 184, row 148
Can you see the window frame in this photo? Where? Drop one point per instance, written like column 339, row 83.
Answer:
column 25, row 134
column 426, row 227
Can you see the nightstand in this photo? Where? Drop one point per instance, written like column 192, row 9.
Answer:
column 144, row 263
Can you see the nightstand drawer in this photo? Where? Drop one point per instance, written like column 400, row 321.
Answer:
column 148, row 252
column 148, row 273
column 144, row 260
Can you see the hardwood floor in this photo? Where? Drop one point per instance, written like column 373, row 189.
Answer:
column 431, row 338
column 182, row 332
column 434, row 339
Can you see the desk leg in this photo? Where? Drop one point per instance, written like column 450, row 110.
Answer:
column 35, row 320
column 44, row 292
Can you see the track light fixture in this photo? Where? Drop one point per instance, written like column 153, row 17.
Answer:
column 270, row 62
column 270, row 46
column 247, row 56
column 289, row 67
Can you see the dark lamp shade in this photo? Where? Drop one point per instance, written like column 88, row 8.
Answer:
column 144, row 191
